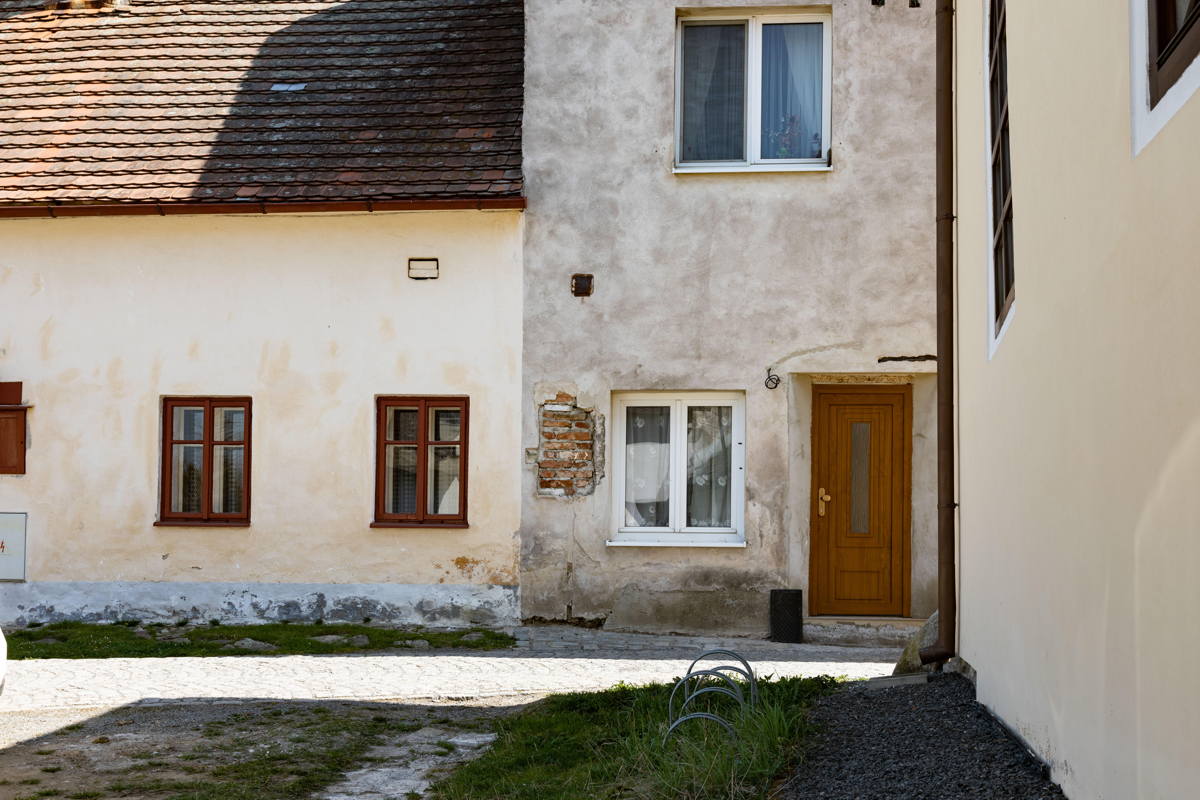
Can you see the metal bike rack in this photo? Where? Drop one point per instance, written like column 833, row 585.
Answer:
column 715, row 680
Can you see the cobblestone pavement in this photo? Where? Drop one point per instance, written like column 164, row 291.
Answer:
column 546, row 659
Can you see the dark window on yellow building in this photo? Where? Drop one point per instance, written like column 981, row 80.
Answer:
column 1002, row 200
column 1174, row 42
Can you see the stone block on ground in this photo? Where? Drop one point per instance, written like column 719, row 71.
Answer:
column 910, row 659
column 251, row 644
column 472, row 637
column 329, row 638
column 361, row 640
column 414, row 644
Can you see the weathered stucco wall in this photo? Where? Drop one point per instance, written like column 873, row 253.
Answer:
column 1080, row 437
column 313, row 317
column 703, row 281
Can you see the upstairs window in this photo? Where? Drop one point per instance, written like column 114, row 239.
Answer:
column 421, row 462
column 1174, row 42
column 206, row 461
column 752, row 93
column 1003, row 271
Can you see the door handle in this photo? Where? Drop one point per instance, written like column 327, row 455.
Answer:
column 822, row 499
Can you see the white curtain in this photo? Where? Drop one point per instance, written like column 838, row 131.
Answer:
column 648, row 467
column 792, row 83
column 709, row 466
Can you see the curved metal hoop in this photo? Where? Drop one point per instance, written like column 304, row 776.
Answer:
column 711, row 690
column 700, row 715
column 748, row 672
column 686, row 681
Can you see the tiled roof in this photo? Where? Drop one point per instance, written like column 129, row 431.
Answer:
column 177, row 102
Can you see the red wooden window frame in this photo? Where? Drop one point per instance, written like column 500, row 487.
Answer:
column 12, row 440
column 205, row 516
column 424, row 405
column 1174, row 44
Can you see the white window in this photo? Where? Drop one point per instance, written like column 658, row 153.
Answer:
column 752, row 93
column 679, row 469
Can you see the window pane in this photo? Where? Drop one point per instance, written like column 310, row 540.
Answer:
column 229, row 476
column 187, row 423
column 445, row 425
column 648, row 467
column 713, row 98
column 229, row 424
column 860, row 477
column 402, row 424
column 792, row 83
column 710, row 466
column 187, row 475
column 443, row 479
column 400, row 476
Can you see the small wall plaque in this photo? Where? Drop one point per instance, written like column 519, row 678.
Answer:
column 423, row 269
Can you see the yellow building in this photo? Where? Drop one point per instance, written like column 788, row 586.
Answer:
column 1078, row 283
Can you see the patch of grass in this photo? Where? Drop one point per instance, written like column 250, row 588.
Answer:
column 89, row 640
column 51, row 769
column 84, row 795
column 42, row 752
column 609, row 746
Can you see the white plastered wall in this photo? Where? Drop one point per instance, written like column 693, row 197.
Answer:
column 313, row 317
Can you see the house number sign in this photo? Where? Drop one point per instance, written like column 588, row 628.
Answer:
column 12, row 546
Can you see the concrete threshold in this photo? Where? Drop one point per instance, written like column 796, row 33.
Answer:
column 892, row 681
column 861, row 631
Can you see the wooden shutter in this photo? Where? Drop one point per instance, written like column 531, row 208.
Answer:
column 12, row 441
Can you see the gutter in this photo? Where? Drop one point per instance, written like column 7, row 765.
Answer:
column 946, row 645
column 155, row 208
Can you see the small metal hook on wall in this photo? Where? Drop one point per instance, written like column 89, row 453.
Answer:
column 772, row 381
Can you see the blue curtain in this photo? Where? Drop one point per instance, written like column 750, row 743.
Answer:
column 791, row 91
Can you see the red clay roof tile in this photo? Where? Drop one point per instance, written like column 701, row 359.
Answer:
column 228, row 101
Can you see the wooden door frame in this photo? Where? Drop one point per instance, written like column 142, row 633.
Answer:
column 866, row 390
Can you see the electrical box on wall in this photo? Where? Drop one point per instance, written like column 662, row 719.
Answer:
column 12, row 546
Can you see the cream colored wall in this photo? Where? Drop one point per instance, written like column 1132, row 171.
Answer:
column 1080, row 440
column 312, row 316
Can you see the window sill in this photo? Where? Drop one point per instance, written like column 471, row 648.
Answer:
column 669, row 543
column 416, row 526
column 200, row 523
column 703, row 169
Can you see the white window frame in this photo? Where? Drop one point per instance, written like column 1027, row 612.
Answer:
column 753, row 109
column 1148, row 122
column 680, row 535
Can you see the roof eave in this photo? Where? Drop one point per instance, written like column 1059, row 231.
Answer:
column 55, row 210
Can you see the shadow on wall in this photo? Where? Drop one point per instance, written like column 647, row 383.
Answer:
column 372, row 100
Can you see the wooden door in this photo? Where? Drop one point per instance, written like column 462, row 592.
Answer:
column 861, row 500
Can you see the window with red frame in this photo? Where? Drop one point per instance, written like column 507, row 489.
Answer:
column 421, row 462
column 206, row 461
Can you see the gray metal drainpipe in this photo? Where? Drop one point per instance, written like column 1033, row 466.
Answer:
column 945, row 647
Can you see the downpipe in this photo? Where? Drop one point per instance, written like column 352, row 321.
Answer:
column 945, row 648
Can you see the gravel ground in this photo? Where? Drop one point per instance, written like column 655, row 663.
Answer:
column 925, row 741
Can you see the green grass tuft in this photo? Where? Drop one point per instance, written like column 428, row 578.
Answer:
column 609, row 746
column 89, row 640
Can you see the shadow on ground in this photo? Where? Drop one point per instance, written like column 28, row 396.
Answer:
column 235, row 748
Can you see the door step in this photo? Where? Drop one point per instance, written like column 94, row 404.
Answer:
column 861, row 631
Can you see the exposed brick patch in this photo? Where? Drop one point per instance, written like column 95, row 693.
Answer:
column 569, row 460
